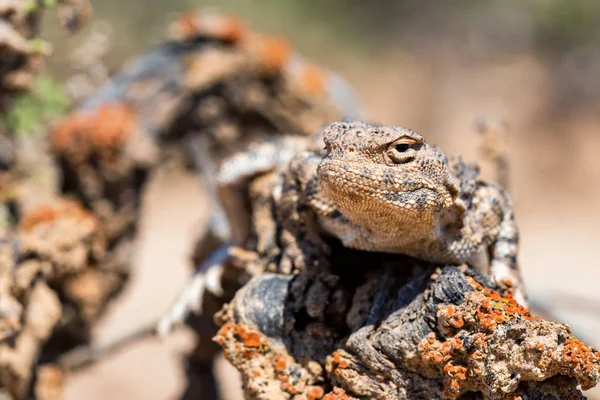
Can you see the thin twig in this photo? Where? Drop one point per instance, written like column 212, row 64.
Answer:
column 494, row 147
column 85, row 356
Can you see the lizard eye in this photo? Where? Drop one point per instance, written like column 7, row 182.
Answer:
column 402, row 147
column 402, row 151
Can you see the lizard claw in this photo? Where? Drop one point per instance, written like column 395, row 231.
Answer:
column 292, row 259
column 213, row 280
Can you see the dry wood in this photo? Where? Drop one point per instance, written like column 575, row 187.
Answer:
column 388, row 334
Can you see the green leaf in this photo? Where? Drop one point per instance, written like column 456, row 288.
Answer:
column 32, row 111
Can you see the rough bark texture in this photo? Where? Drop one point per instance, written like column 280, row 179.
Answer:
column 203, row 95
column 21, row 51
column 49, row 282
column 21, row 58
column 48, row 253
column 397, row 330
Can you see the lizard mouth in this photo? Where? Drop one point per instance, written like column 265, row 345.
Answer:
column 378, row 178
column 346, row 183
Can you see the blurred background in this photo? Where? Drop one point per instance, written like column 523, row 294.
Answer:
column 434, row 67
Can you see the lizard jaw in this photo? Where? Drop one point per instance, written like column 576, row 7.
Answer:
column 384, row 196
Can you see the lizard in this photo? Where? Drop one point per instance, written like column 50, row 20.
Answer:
column 374, row 188
column 386, row 189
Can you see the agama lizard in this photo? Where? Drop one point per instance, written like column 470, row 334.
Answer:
column 386, row 189
column 381, row 189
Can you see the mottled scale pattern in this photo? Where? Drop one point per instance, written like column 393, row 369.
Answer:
column 381, row 189
column 393, row 192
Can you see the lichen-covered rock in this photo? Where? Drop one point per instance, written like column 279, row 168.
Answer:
column 29, row 311
column 70, row 243
column 43, row 264
column 254, row 343
column 446, row 335
column 491, row 344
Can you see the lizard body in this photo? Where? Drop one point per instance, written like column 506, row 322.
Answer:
column 386, row 189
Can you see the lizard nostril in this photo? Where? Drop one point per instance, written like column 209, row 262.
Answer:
column 351, row 149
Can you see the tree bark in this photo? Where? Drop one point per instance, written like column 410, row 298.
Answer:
column 387, row 333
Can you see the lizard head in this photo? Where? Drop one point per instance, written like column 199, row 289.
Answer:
column 382, row 176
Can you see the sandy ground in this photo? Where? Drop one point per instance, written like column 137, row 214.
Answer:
column 555, row 175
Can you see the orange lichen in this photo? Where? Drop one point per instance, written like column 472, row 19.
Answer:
column 337, row 394
column 496, row 309
column 224, row 330
column 239, row 330
column 84, row 133
column 450, row 317
column 185, row 26
column 492, row 310
column 312, row 79
column 194, row 23
column 315, row 393
column 111, row 125
column 476, row 321
column 287, row 387
column 336, row 357
column 508, row 282
column 474, row 284
column 242, row 343
column 579, row 355
column 280, row 363
column 248, row 354
column 50, row 213
column 541, row 347
column 274, row 53
column 230, row 29
column 70, row 133
column 38, row 216
column 252, row 339
column 247, row 343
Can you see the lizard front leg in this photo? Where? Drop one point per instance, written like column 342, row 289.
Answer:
column 236, row 173
column 301, row 237
column 489, row 231
column 504, row 266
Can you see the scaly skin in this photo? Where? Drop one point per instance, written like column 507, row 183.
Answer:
column 386, row 189
column 379, row 189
